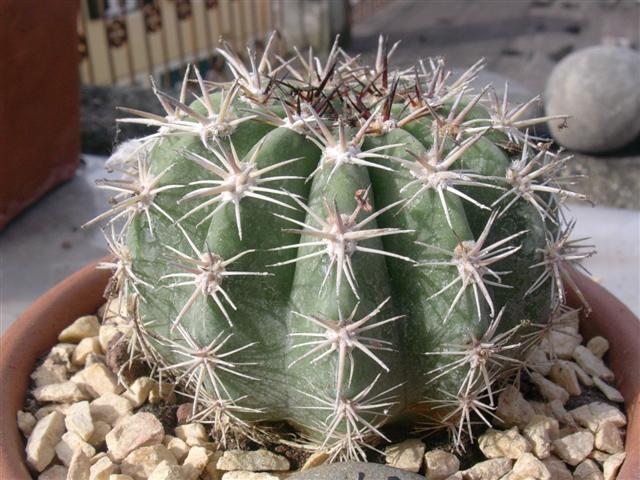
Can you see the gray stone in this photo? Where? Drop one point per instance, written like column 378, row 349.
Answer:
column 254, row 461
column 355, row 470
column 574, row 448
column 598, row 88
column 492, row 469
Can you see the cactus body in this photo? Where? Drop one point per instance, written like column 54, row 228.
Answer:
column 340, row 252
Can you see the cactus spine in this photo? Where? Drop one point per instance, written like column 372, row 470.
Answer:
column 338, row 246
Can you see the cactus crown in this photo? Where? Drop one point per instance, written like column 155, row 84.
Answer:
column 338, row 246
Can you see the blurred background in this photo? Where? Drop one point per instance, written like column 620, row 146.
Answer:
column 66, row 65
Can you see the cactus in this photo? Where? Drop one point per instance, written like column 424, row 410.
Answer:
column 338, row 246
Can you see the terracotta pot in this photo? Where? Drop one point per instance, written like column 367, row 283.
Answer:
column 39, row 100
column 37, row 329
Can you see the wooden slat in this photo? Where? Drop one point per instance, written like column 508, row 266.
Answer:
column 176, row 41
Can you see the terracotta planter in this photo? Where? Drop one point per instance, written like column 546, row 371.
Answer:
column 37, row 329
column 39, row 100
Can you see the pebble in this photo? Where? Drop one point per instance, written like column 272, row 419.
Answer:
column 109, row 408
column 83, row 327
column 548, row 389
column 537, row 360
column 52, row 407
column 565, row 376
column 61, row 354
column 610, row 392
column 141, row 462
column 138, row 392
column 164, row 392
column 65, row 392
column 561, row 344
column 595, row 414
column 488, row 470
column 503, row 444
column 133, row 432
column 528, row 466
column 87, row 346
column 177, row 446
column 240, row 475
column 79, row 466
column 598, row 346
column 56, row 472
column 557, row 468
column 167, row 471
column 513, row 409
column 407, row 455
column 253, row 461
column 560, row 413
column 540, row 432
column 93, row 358
column 69, row 445
column 609, row 439
column 211, row 471
column 598, row 88
column 26, row 422
column 192, row 434
column 98, row 380
column 49, row 373
column 568, row 322
column 106, row 333
column 574, row 448
column 100, row 431
column 591, row 364
column 587, row 470
column 583, row 376
column 115, row 312
column 102, row 469
column 353, row 471
column 184, row 413
column 440, row 464
column 195, row 463
column 598, row 456
column 45, row 436
column 612, row 465
column 78, row 420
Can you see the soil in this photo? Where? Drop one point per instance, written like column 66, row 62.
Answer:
column 297, row 457
column 164, row 412
column 117, row 359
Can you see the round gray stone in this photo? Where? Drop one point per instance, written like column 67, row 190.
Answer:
column 355, row 471
column 599, row 87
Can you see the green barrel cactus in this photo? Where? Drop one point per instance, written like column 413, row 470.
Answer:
column 338, row 246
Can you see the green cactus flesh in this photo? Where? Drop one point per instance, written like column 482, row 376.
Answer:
column 339, row 252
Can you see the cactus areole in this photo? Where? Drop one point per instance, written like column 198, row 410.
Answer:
column 338, row 246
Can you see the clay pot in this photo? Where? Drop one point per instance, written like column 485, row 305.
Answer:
column 37, row 329
column 40, row 92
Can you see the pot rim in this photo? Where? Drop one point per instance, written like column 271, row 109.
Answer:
column 62, row 304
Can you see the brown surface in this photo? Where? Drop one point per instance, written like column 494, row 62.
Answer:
column 39, row 100
column 37, row 329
